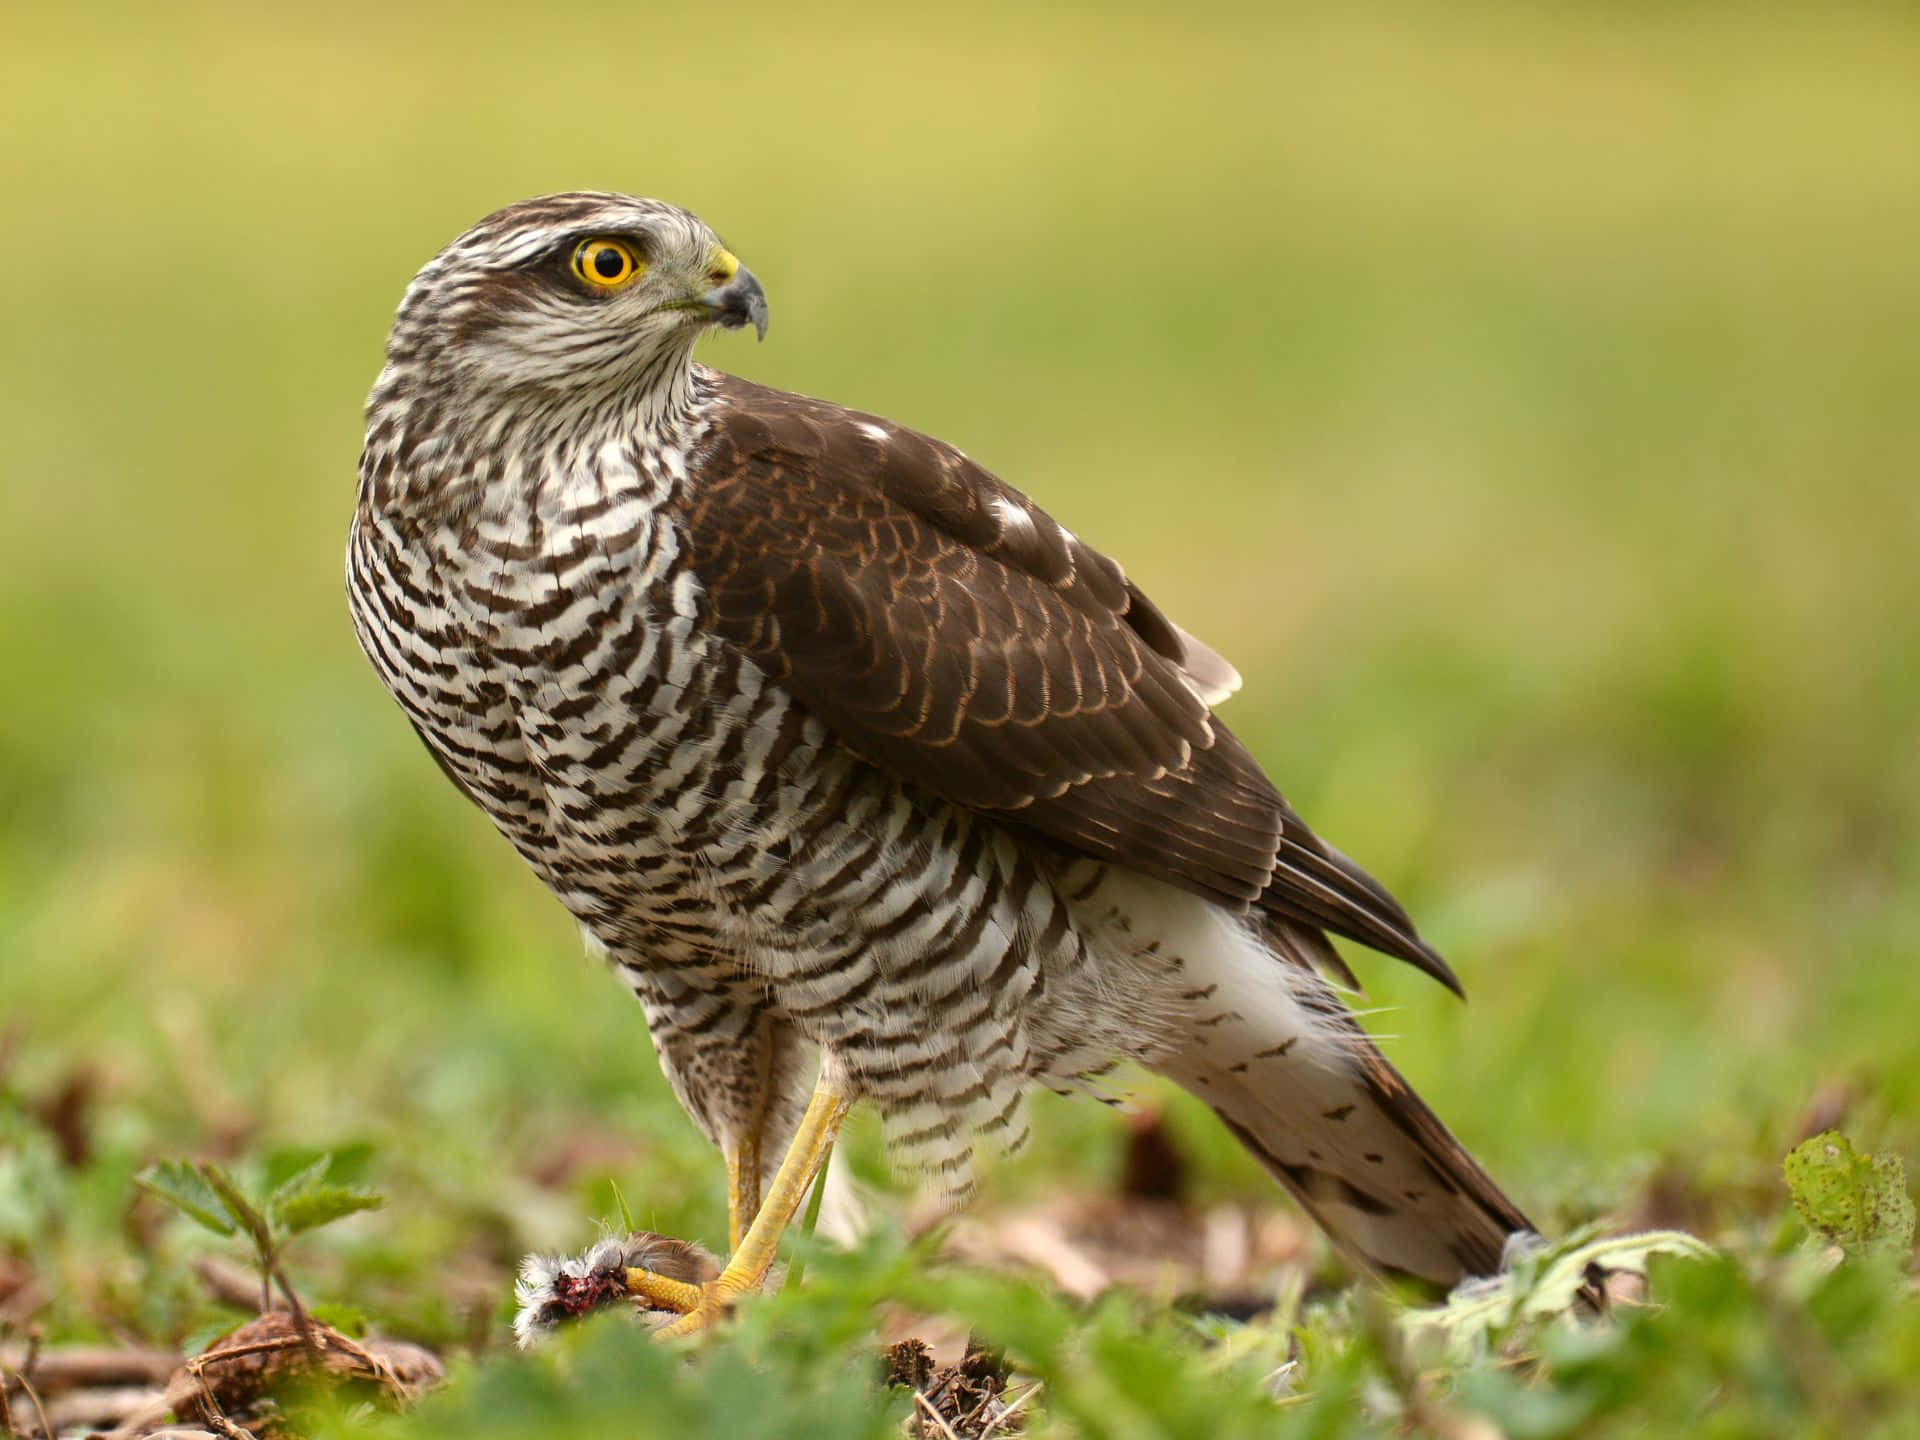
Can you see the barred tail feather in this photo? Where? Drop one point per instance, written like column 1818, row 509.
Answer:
column 1270, row 1047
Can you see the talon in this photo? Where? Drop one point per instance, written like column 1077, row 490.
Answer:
column 662, row 1274
column 554, row 1290
column 663, row 1292
column 706, row 1316
column 710, row 1304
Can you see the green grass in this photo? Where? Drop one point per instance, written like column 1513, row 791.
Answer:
column 1523, row 397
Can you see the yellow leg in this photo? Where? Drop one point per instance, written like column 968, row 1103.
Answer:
column 665, row 1292
column 743, row 1187
column 753, row 1256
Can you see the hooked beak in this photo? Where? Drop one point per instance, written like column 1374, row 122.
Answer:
column 736, row 299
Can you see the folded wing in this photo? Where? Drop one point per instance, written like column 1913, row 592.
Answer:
column 944, row 627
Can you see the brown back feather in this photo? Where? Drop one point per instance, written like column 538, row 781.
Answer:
column 944, row 627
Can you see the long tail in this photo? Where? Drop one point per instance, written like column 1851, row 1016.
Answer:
column 1272, row 1049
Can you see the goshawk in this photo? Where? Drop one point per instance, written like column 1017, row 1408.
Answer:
column 873, row 781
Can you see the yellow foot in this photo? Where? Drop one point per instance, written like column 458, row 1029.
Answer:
column 694, row 1322
column 663, row 1292
column 700, row 1302
column 699, row 1307
column 661, row 1273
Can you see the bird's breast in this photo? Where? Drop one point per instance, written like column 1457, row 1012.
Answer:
column 556, row 657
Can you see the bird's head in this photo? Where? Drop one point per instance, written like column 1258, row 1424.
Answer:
column 586, row 296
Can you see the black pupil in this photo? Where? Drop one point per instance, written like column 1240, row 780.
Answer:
column 608, row 263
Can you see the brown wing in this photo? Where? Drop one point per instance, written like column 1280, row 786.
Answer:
column 944, row 627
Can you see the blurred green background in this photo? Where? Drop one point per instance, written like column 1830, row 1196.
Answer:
column 1525, row 397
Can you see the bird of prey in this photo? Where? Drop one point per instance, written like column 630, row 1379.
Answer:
column 874, row 782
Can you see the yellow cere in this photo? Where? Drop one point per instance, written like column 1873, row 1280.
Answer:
column 722, row 267
column 606, row 264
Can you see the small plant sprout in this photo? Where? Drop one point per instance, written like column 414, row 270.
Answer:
column 300, row 1191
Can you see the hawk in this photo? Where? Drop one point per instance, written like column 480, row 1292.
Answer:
column 872, row 781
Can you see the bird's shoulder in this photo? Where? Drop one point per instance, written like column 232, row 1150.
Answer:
column 841, row 460
column 817, row 472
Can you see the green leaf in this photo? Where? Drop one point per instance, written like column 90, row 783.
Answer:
column 1539, row 1286
column 304, row 1178
column 318, row 1205
column 288, row 1163
column 183, row 1187
column 244, row 1211
column 342, row 1164
column 1564, row 1269
column 620, row 1204
column 1852, row 1199
column 351, row 1162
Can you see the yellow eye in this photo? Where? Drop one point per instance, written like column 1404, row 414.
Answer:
column 606, row 264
